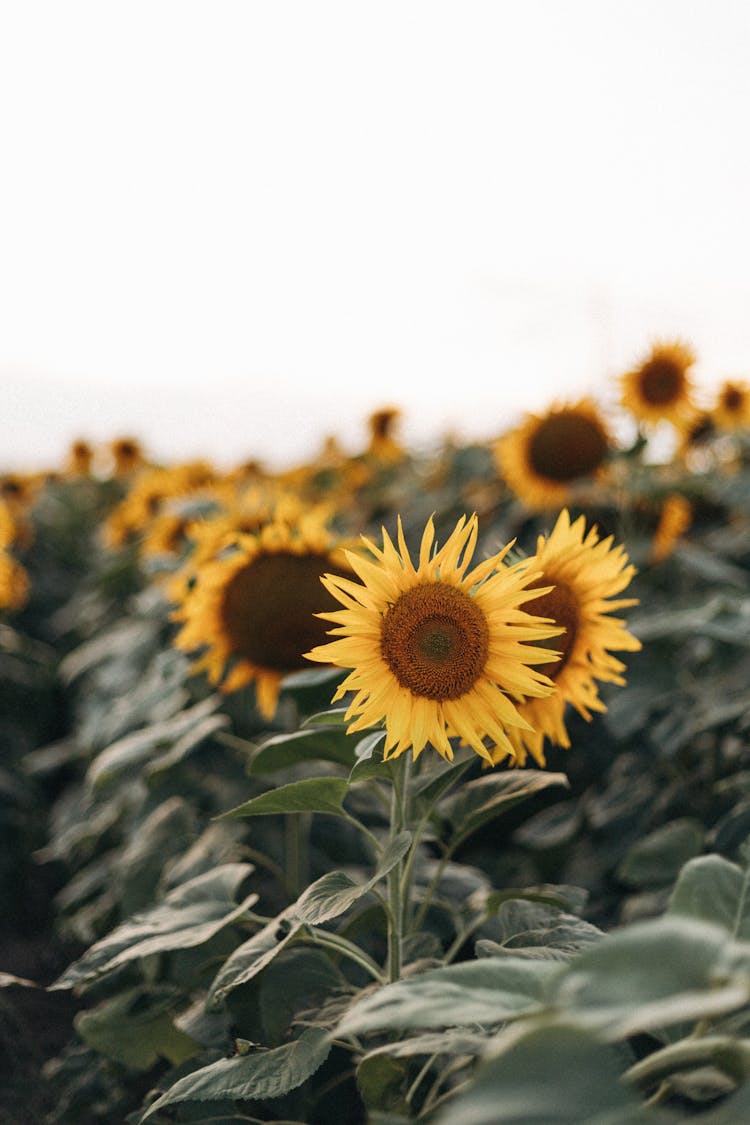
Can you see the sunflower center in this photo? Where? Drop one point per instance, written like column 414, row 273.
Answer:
column 732, row 399
column 662, row 381
column 561, row 605
column 268, row 609
column 566, row 446
column 435, row 640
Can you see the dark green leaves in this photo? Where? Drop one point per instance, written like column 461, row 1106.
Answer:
column 188, row 916
column 327, row 898
column 478, row 802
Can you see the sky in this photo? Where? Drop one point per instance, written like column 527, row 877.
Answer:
column 233, row 228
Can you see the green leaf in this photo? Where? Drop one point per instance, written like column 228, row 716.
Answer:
column 311, row 678
column 325, row 744
column 188, row 916
column 333, row 717
column 550, row 1074
column 136, row 1029
column 552, row 827
column 712, row 889
column 166, row 831
column 560, row 896
column 487, row 992
column 301, row 980
column 329, row 897
column 480, row 801
column 368, row 763
column 655, row 860
column 312, row 794
column 381, row 1080
column 452, row 1042
column 532, row 928
column 436, row 780
column 254, row 1076
column 653, row 974
column 177, row 735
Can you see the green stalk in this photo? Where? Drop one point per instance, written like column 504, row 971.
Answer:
column 396, row 898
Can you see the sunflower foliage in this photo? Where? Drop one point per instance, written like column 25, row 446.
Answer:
column 475, row 848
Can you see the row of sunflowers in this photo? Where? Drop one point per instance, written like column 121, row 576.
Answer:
column 397, row 785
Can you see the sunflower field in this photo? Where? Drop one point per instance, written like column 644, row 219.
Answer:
column 396, row 786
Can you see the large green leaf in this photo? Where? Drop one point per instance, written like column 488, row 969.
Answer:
column 136, row 1029
column 381, row 1080
column 656, row 859
column 312, row 794
column 433, row 782
column 327, row 898
column 481, row 800
column 485, row 992
column 319, row 743
column 712, row 889
column 188, row 916
column 537, row 927
column 254, row 1076
column 654, row 974
column 165, row 832
column 549, row 1074
column 177, row 735
column 300, row 981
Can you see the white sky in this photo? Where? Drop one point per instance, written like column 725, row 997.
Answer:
column 234, row 227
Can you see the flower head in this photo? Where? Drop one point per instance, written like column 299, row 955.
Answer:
column 544, row 457
column 252, row 608
column 732, row 409
column 659, row 388
column 436, row 649
column 583, row 575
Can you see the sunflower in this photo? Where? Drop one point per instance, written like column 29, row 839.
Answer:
column 583, row 574
column 127, row 455
column 147, row 497
column 732, row 409
column 435, row 651
column 383, row 445
column 14, row 582
column 659, row 388
column 253, row 607
column 548, row 453
column 674, row 519
column 7, row 525
column 80, row 458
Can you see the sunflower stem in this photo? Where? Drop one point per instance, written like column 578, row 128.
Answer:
column 396, row 897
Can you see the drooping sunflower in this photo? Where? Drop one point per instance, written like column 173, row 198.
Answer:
column 586, row 574
column 732, row 409
column 543, row 458
column 253, row 608
column 435, row 649
column 659, row 388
